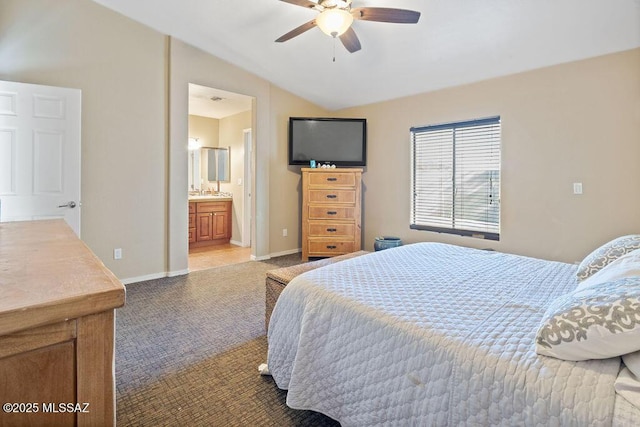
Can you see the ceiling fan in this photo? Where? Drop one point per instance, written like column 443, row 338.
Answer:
column 336, row 17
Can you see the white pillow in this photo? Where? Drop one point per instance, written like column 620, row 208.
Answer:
column 594, row 322
column 627, row 265
column 606, row 254
column 627, row 384
column 632, row 361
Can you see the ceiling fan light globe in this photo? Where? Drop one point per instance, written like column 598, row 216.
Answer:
column 334, row 22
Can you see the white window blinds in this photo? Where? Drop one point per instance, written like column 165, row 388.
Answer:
column 456, row 178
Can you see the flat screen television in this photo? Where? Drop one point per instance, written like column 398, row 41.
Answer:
column 340, row 142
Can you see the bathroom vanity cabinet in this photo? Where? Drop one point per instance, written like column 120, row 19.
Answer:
column 209, row 221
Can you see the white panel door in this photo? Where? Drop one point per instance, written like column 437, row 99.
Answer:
column 39, row 153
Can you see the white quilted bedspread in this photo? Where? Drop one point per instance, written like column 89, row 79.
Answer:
column 432, row 335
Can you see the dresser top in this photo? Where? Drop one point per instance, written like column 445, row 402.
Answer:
column 342, row 170
column 47, row 274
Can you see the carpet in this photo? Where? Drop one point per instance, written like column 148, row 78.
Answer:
column 188, row 348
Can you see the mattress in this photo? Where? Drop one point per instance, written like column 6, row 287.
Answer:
column 433, row 334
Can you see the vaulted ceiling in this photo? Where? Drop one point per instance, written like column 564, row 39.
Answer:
column 455, row 42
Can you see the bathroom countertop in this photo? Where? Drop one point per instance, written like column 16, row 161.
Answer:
column 210, row 198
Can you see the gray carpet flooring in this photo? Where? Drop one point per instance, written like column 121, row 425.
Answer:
column 188, row 348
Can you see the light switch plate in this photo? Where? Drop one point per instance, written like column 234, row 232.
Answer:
column 577, row 188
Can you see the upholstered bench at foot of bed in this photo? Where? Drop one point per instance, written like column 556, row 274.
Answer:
column 279, row 278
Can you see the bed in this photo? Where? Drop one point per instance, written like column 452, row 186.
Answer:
column 435, row 334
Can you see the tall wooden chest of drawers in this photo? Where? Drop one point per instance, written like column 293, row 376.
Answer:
column 331, row 212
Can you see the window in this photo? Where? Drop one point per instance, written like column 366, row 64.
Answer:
column 456, row 178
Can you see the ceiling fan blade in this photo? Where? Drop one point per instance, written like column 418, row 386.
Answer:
column 386, row 14
column 350, row 40
column 304, row 3
column 297, row 31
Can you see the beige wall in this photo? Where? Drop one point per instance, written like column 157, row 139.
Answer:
column 286, row 196
column 134, row 158
column 206, row 129
column 191, row 65
column 275, row 186
column 120, row 67
column 577, row 122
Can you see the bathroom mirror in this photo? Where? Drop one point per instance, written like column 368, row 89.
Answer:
column 208, row 165
column 218, row 164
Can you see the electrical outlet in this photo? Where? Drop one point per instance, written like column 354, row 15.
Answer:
column 284, row 232
column 117, row 253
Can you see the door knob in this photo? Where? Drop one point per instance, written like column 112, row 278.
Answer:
column 71, row 205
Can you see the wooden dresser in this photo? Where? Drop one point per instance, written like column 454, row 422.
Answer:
column 331, row 213
column 57, row 328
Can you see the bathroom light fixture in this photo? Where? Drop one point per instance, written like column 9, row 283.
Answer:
column 194, row 144
column 334, row 22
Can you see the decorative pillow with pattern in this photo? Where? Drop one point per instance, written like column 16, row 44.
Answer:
column 627, row 265
column 606, row 254
column 595, row 322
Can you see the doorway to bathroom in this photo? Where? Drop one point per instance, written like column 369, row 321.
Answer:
column 220, row 169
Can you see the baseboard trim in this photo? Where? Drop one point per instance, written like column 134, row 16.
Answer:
column 283, row 253
column 275, row 254
column 178, row 273
column 288, row 252
column 131, row 280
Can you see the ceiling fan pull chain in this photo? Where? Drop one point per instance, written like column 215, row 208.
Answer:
column 334, row 49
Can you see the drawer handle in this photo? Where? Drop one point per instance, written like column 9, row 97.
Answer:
column 331, row 196
column 332, row 213
column 332, row 179
column 331, row 247
column 332, row 230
